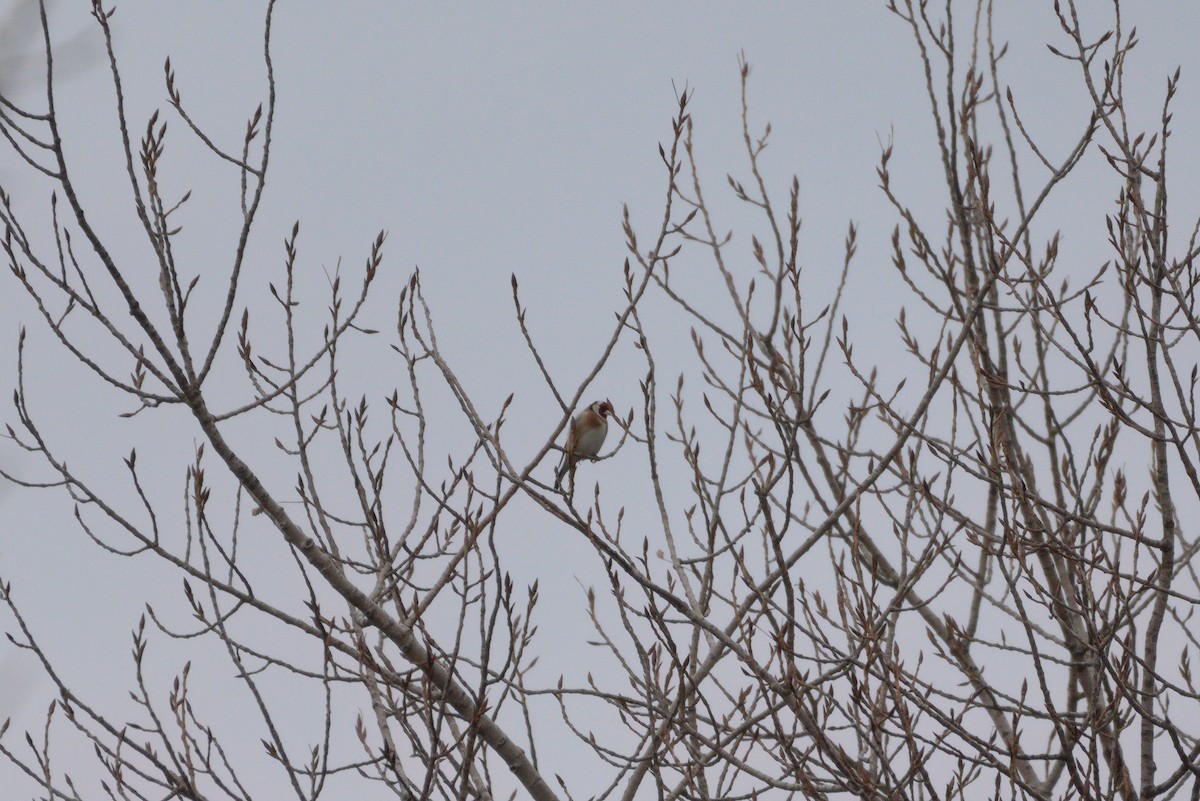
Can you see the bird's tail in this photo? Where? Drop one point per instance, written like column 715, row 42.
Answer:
column 563, row 466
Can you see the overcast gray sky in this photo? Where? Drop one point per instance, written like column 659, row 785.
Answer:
column 488, row 139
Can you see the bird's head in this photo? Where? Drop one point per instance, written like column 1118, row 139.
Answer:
column 603, row 408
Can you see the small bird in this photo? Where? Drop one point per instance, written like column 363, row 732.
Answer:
column 588, row 430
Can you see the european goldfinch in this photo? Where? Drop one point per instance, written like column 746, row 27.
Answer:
column 588, row 430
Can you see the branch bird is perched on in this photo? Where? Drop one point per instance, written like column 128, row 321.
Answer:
column 588, row 430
